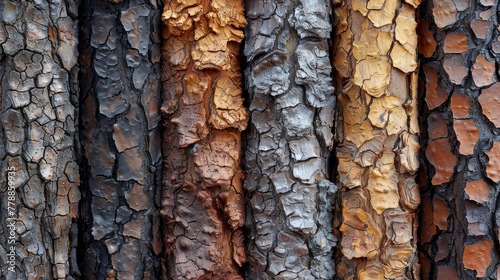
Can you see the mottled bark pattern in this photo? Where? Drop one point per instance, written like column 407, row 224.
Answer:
column 377, row 134
column 290, row 200
column 203, row 202
column 38, row 65
column 120, row 103
column 460, row 53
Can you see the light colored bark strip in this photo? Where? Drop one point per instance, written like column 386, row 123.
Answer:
column 290, row 199
column 203, row 202
column 38, row 88
column 120, row 104
column 375, row 62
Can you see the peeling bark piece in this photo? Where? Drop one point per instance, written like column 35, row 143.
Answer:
column 478, row 191
column 38, row 96
column 477, row 256
column 203, row 206
column 493, row 165
column 455, row 43
column 291, row 102
column 490, row 101
column 119, row 71
column 480, row 28
column 467, row 134
column 455, row 68
column 444, row 12
column 377, row 150
column 440, row 156
column 437, row 126
column 426, row 44
column 483, row 71
column 435, row 95
column 460, row 105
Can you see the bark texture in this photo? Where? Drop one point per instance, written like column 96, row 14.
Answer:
column 38, row 87
column 290, row 199
column 460, row 53
column 202, row 199
column 120, row 103
column 377, row 134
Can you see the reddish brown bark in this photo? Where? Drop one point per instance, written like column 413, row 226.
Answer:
column 203, row 203
column 459, row 214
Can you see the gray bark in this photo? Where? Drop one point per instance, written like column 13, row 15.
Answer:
column 289, row 197
column 120, row 54
column 38, row 89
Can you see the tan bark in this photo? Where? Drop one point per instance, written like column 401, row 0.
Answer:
column 38, row 89
column 377, row 134
column 120, row 104
column 203, row 202
column 458, row 233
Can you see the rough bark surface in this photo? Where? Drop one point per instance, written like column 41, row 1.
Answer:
column 377, row 134
column 460, row 52
column 290, row 199
column 120, row 104
column 38, row 87
column 202, row 199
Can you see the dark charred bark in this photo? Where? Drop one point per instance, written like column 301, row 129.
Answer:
column 38, row 89
column 460, row 55
column 120, row 104
column 202, row 199
column 290, row 199
column 377, row 133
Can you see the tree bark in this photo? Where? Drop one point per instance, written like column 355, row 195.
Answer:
column 460, row 196
column 290, row 199
column 377, row 134
column 39, row 201
column 202, row 199
column 120, row 104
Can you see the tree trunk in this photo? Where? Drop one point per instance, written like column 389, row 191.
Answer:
column 290, row 200
column 460, row 196
column 120, row 103
column 39, row 174
column 377, row 134
column 202, row 199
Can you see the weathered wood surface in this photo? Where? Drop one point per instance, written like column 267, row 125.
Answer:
column 377, row 133
column 459, row 224
column 290, row 199
column 38, row 89
column 202, row 200
column 120, row 114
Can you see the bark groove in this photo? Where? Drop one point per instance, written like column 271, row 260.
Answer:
column 38, row 87
column 290, row 199
column 459, row 81
column 202, row 199
column 377, row 133
column 120, row 104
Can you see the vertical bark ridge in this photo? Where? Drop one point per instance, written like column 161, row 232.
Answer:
column 290, row 199
column 460, row 52
column 202, row 199
column 38, row 66
column 377, row 151
column 120, row 104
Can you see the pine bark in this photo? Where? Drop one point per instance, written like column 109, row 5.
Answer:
column 377, row 138
column 38, row 89
column 202, row 200
column 120, row 104
column 289, row 197
column 460, row 52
